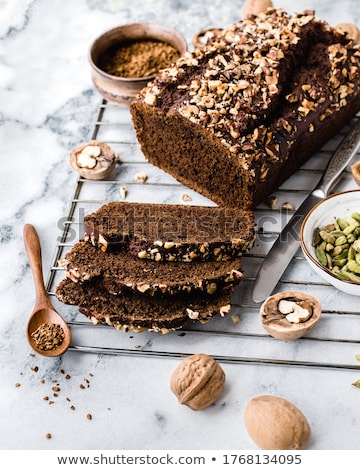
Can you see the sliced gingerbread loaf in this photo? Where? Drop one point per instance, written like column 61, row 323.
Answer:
column 131, row 312
column 171, row 232
column 122, row 272
column 234, row 119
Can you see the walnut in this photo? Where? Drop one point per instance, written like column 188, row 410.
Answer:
column 355, row 171
column 93, row 160
column 254, row 7
column 276, row 424
column 197, row 381
column 290, row 315
column 351, row 30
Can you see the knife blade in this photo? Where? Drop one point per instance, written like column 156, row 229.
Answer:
column 288, row 242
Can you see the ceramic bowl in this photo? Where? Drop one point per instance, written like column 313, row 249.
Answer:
column 337, row 205
column 121, row 90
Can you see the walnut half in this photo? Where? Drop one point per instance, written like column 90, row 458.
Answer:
column 93, row 160
column 290, row 315
column 198, row 381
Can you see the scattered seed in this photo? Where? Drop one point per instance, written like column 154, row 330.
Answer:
column 141, row 177
column 48, row 436
column 272, row 201
column 288, row 206
column 17, row 384
column 72, row 407
column 35, row 369
column 82, row 386
column 67, row 376
column 45, row 398
column 185, row 197
column 89, row 416
column 123, row 192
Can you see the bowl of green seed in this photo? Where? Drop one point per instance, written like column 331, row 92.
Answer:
column 330, row 240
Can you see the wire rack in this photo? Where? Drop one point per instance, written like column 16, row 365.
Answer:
column 239, row 337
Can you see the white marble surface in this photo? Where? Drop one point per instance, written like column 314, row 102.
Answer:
column 48, row 105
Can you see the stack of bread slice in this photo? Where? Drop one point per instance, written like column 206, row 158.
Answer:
column 156, row 267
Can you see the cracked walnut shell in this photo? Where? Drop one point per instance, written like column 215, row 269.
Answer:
column 290, row 324
column 198, row 381
column 93, row 160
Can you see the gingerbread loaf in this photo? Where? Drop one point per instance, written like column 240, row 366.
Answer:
column 234, row 119
column 171, row 232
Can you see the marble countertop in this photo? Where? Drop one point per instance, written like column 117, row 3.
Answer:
column 48, row 105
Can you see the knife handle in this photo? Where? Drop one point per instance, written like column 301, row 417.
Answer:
column 339, row 161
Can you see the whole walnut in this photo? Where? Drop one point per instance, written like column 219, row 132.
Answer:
column 254, row 7
column 274, row 423
column 198, row 381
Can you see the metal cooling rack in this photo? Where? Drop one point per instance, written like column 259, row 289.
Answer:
column 239, row 337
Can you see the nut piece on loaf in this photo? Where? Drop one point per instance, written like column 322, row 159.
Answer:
column 171, row 232
column 235, row 119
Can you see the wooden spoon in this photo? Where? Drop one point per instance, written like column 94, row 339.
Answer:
column 43, row 312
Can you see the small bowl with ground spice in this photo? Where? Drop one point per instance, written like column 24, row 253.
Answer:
column 124, row 59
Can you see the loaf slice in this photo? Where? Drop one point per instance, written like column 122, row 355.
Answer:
column 234, row 119
column 131, row 312
column 171, row 232
column 122, row 271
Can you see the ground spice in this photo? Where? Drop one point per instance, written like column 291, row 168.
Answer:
column 48, row 336
column 138, row 59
